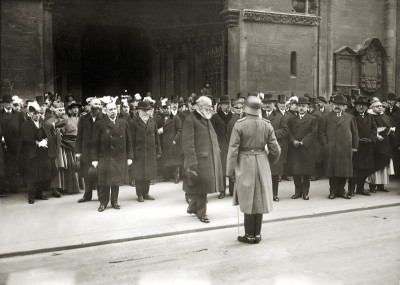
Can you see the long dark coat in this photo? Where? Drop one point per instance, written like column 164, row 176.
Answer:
column 223, row 129
column 146, row 147
column 171, row 133
column 363, row 158
column 84, row 141
column 36, row 163
column 338, row 136
column 201, row 149
column 317, row 146
column 301, row 160
column 2, row 171
column 11, row 126
column 111, row 147
column 382, row 149
column 280, row 124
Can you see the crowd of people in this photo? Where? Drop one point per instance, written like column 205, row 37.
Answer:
column 63, row 147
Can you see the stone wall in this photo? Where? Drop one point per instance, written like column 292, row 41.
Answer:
column 21, row 48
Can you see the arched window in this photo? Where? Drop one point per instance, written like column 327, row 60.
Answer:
column 293, row 64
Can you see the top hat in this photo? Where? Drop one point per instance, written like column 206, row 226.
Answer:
column 40, row 100
column 313, row 100
column 269, row 98
column 322, row 99
column 6, row 99
column 253, row 105
column 391, row 96
column 339, row 99
column 175, row 101
column 282, row 98
column 144, row 105
column 225, row 99
column 361, row 100
column 303, row 100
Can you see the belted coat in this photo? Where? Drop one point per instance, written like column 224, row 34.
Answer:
column 146, row 147
column 171, row 133
column 301, row 160
column 200, row 148
column 111, row 147
column 338, row 136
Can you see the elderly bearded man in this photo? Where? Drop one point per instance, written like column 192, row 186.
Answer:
column 202, row 155
column 111, row 153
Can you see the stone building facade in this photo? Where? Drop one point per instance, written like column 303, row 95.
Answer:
column 291, row 47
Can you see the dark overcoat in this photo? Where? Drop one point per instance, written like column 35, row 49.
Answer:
column 84, row 140
column 200, row 148
column 280, row 124
column 11, row 126
column 111, row 147
column 35, row 160
column 317, row 146
column 338, row 136
column 223, row 129
column 383, row 151
column 301, row 160
column 363, row 158
column 146, row 147
column 171, row 133
column 2, row 172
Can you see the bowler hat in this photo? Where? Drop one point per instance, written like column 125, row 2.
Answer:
column 361, row 100
column 144, row 105
column 339, row 99
column 269, row 98
column 282, row 98
column 225, row 99
column 313, row 100
column 391, row 96
column 303, row 100
column 191, row 177
column 322, row 99
column 6, row 99
column 253, row 105
column 40, row 100
column 73, row 104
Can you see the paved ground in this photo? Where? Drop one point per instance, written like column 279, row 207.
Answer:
column 63, row 224
column 330, row 250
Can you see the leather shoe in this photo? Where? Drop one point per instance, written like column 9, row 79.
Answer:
column 332, row 196
column 364, row 192
column 221, row 196
column 257, row 239
column 276, row 199
column 101, row 208
column 382, row 188
column 204, row 220
column 190, row 212
column 305, row 197
column 31, row 201
column 148, row 197
column 116, row 206
column 296, row 196
column 286, row 178
column 351, row 193
column 83, row 200
column 372, row 188
column 345, row 196
column 56, row 194
column 42, row 198
column 176, row 181
column 140, row 198
column 246, row 239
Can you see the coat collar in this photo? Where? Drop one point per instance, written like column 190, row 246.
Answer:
column 343, row 117
column 298, row 122
column 200, row 118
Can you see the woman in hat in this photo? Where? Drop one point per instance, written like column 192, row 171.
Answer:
column 253, row 146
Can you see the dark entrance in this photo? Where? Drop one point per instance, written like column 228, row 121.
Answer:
column 115, row 59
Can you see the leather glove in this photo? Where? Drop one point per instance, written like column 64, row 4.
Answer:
column 95, row 163
column 129, row 161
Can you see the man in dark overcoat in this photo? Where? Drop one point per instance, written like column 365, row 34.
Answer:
column 303, row 130
column 339, row 138
column 223, row 122
column 146, row 150
column 111, row 155
column 202, row 155
column 363, row 159
column 323, row 105
column 32, row 151
column 279, row 123
column 10, row 125
column 394, row 113
column 83, row 147
column 318, row 156
column 171, row 144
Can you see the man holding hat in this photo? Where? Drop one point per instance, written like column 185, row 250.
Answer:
column 252, row 148
column 303, row 131
column 339, row 139
column 279, row 123
column 10, row 127
column 146, row 150
column 363, row 159
column 223, row 122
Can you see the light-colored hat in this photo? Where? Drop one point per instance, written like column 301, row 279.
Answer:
column 253, row 105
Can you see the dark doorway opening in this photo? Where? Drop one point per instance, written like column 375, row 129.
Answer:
column 115, row 59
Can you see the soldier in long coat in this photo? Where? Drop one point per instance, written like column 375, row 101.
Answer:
column 202, row 155
column 171, row 144
column 111, row 154
column 252, row 148
column 303, row 130
column 279, row 123
column 223, row 122
column 339, row 138
column 363, row 159
column 83, row 147
column 32, row 150
column 146, row 150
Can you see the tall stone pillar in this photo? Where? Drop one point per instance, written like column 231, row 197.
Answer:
column 389, row 43
column 47, row 53
column 329, row 51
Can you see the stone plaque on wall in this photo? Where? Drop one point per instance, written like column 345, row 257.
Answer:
column 345, row 69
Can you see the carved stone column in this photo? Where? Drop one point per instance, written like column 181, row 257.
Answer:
column 48, row 56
